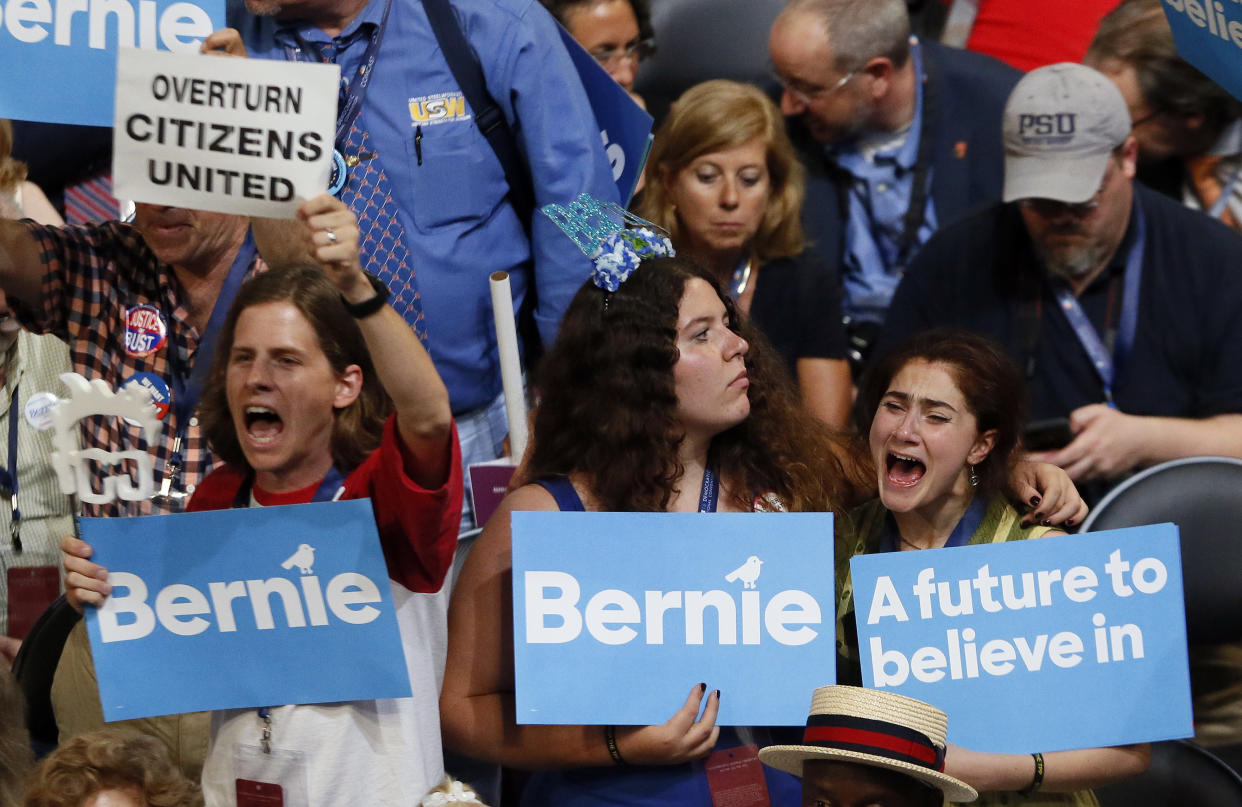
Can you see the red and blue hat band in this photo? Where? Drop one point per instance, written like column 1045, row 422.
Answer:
column 875, row 737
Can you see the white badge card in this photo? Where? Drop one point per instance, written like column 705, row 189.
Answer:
column 211, row 132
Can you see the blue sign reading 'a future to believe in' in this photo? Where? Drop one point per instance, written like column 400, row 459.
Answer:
column 1067, row 642
column 617, row 616
column 61, row 54
column 240, row 608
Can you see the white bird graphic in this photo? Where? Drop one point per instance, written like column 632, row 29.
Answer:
column 748, row 572
column 304, row 559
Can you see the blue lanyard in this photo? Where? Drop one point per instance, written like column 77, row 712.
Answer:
column 8, row 475
column 353, row 93
column 710, row 492
column 1109, row 367
column 890, row 539
column 188, row 382
column 1226, row 192
column 327, row 491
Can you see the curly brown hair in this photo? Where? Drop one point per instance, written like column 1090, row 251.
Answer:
column 360, row 425
column 110, row 760
column 608, row 406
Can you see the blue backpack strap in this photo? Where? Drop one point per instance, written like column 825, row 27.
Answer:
column 563, row 491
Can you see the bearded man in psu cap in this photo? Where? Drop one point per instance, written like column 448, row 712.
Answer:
column 1121, row 306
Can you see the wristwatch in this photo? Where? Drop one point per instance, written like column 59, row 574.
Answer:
column 366, row 308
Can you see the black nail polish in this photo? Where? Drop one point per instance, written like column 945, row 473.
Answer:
column 718, row 696
column 1069, row 522
column 1047, row 522
column 1035, row 500
column 702, row 689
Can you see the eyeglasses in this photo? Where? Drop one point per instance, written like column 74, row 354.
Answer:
column 1051, row 208
column 635, row 51
column 805, row 93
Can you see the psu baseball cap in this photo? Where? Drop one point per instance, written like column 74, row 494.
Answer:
column 1061, row 124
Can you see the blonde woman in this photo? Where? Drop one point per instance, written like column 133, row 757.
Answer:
column 723, row 179
column 20, row 198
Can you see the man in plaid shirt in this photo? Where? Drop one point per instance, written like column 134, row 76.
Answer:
column 129, row 300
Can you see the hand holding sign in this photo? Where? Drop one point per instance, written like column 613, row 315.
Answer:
column 86, row 582
column 684, row 737
column 330, row 229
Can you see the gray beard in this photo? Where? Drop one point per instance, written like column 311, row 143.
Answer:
column 1074, row 265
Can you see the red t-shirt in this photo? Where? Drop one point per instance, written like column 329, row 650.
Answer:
column 417, row 527
column 1029, row 34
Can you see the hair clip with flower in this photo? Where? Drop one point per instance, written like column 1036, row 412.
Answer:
column 614, row 249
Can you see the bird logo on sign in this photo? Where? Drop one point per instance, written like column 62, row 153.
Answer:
column 748, row 572
column 304, row 559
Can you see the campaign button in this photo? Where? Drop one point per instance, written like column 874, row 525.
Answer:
column 39, row 410
column 145, row 331
column 153, row 384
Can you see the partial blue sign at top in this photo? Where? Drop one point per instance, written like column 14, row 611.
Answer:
column 1208, row 34
column 62, row 53
column 624, row 126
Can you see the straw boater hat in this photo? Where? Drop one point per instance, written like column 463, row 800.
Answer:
column 871, row 727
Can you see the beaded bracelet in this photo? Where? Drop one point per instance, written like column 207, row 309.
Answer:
column 610, row 737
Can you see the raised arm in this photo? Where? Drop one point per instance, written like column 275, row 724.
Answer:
column 424, row 419
column 477, row 703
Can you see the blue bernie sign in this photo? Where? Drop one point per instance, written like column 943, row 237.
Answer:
column 62, row 53
column 241, row 608
column 617, row 616
column 1058, row 643
column 624, row 126
column 1208, row 34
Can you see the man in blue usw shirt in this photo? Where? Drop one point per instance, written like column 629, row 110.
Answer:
column 447, row 184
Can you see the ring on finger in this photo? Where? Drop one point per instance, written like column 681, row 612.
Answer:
column 332, row 239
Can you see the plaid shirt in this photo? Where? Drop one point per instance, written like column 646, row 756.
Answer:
column 93, row 276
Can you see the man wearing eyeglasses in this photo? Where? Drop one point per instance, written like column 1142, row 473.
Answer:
column 898, row 136
column 1122, row 307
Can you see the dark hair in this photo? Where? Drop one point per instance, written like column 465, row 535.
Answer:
column 608, row 406
column 110, row 759
column 360, row 425
column 987, row 379
column 1136, row 33
column 642, row 12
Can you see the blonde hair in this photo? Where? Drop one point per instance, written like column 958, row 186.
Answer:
column 12, row 172
column 719, row 115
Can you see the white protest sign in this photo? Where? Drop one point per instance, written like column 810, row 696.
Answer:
column 223, row 134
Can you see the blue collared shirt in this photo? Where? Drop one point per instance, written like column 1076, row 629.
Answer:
column 878, row 199
column 452, row 202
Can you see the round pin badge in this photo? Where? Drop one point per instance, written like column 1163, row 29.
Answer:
column 39, row 410
column 160, row 394
column 340, row 173
column 145, row 331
